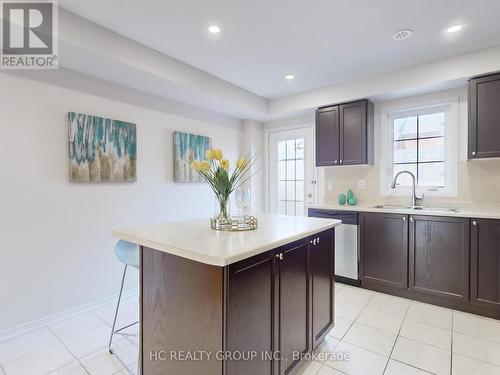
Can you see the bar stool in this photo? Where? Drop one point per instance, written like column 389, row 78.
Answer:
column 127, row 253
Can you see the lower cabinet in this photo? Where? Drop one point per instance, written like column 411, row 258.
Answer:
column 294, row 297
column 250, row 313
column 384, row 252
column 439, row 260
column 485, row 266
column 280, row 301
column 322, row 274
column 448, row 261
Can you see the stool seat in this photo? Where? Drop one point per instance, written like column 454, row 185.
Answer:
column 127, row 253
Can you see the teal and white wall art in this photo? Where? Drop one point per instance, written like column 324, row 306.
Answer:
column 101, row 149
column 188, row 147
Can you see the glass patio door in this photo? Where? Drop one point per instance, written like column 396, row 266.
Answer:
column 292, row 180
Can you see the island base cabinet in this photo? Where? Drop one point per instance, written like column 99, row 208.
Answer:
column 485, row 267
column 181, row 311
column 323, row 293
column 263, row 312
column 294, row 295
column 439, row 260
column 251, row 306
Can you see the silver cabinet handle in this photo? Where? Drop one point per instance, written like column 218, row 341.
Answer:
column 473, row 153
column 411, row 219
column 341, row 161
column 474, row 222
column 279, row 256
column 336, row 162
column 404, row 218
column 318, row 240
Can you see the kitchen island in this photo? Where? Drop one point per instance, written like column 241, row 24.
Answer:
column 233, row 303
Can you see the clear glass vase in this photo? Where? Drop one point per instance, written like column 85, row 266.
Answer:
column 222, row 212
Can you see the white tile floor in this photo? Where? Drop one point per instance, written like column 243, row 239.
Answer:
column 75, row 346
column 383, row 334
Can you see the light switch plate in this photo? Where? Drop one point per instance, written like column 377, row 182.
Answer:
column 329, row 185
column 361, row 184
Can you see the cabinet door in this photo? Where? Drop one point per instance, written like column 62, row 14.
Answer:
column 439, row 259
column 250, row 313
column 353, row 133
column 384, row 252
column 485, row 264
column 322, row 270
column 484, row 117
column 327, row 136
column 293, row 271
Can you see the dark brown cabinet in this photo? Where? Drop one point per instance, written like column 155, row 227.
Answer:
column 384, row 252
column 280, row 302
column 447, row 261
column 344, row 134
column 251, row 309
column 485, row 266
column 322, row 272
column 439, row 260
column 294, row 295
column 484, row 117
column 327, row 136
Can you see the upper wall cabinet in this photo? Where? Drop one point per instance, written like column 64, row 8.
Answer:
column 344, row 134
column 484, row 117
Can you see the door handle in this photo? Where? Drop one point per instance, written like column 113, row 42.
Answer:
column 279, row 256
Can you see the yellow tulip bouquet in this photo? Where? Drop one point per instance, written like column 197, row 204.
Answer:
column 222, row 178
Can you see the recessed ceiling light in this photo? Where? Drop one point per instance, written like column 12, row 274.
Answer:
column 454, row 28
column 214, row 29
column 402, row 34
column 290, row 77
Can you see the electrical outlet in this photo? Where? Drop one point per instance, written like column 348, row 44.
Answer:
column 361, row 184
column 330, row 185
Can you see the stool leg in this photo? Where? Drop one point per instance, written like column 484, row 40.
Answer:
column 117, row 307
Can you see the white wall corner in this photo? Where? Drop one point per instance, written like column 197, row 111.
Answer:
column 252, row 141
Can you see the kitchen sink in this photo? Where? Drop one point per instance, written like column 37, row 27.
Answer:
column 416, row 208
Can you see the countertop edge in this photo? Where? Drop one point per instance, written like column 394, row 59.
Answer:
column 218, row 260
column 462, row 213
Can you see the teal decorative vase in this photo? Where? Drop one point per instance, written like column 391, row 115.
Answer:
column 342, row 199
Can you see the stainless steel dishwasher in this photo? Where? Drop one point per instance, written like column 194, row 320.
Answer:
column 346, row 243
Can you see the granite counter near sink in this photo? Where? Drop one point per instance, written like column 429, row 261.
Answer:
column 465, row 211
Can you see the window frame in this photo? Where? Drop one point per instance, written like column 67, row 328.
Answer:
column 447, row 105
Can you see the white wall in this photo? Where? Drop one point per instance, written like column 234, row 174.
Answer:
column 253, row 142
column 56, row 251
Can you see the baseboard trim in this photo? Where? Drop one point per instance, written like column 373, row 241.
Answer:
column 347, row 280
column 51, row 319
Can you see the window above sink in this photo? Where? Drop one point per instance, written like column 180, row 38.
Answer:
column 422, row 138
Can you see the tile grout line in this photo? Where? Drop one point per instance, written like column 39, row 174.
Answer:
column 451, row 343
column 64, row 345
column 397, row 336
column 339, row 341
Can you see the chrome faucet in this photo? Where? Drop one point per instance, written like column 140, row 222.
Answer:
column 415, row 201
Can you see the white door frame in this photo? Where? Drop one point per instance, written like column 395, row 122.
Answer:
column 316, row 173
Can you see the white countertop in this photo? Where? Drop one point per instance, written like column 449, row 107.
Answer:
column 196, row 241
column 468, row 212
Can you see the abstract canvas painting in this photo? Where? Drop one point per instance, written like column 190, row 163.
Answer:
column 188, row 147
column 101, row 149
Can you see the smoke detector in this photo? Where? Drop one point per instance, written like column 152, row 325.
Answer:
column 402, row 34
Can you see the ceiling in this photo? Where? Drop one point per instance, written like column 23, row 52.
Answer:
column 322, row 42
